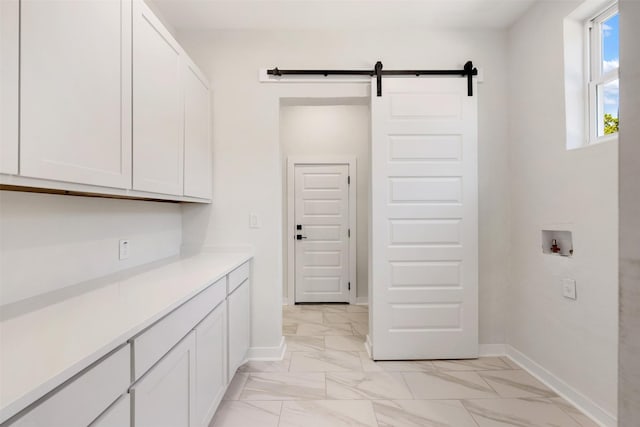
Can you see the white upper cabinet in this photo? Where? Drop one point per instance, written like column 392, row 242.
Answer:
column 9, row 22
column 96, row 96
column 197, row 142
column 158, row 106
column 75, row 91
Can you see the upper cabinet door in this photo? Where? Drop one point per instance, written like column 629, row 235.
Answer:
column 197, row 141
column 75, row 91
column 9, row 21
column 158, row 106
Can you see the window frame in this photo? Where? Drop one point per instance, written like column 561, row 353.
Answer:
column 596, row 78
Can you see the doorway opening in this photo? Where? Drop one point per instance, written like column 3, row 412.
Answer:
column 325, row 144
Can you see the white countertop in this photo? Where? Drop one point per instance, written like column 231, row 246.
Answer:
column 47, row 340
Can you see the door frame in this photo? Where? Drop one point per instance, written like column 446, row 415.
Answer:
column 292, row 161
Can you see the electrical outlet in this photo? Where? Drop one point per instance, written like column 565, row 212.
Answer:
column 569, row 288
column 124, row 250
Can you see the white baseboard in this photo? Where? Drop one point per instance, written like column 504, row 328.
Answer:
column 487, row 350
column 268, row 353
column 573, row 396
column 368, row 346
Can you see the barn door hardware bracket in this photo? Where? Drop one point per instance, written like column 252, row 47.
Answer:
column 378, row 70
column 470, row 71
column 467, row 71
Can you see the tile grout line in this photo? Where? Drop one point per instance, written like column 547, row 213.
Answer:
column 404, row 381
column 462, row 401
column 280, row 416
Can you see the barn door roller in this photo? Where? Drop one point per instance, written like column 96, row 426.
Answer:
column 468, row 71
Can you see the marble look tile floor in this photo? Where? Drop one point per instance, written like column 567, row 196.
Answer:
column 328, row 380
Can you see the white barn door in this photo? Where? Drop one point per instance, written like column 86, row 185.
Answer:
column 424, row 236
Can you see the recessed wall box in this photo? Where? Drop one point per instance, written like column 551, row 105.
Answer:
column 557, row 242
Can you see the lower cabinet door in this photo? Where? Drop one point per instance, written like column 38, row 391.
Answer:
column 239, row 327
column 118, row 414
column 164, row 397
column 211, row 367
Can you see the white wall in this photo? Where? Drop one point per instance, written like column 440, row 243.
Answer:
column 48, row 242
column 629, row 377
column 577, row 190
column 331, row 130
column 247, row 157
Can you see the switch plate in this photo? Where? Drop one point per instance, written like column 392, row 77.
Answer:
column 254, row 221
column 123, row 252
column 569, row 288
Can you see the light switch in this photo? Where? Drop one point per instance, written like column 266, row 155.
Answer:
column 569, row 288
column 254, row 221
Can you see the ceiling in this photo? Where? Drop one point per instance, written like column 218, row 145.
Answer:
column 340, row 14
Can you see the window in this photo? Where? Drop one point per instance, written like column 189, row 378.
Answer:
column 603, row 87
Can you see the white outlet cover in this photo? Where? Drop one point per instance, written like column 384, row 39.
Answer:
column 569, row 288
column 123, row 251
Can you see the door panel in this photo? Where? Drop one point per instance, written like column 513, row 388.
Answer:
column 158, row 106
column 165, row 396
column 238, row 308
column 211, row 366
column 75, row 91
column 424, row 220
column 322, row 257
column 197, row 144
column 9, row 35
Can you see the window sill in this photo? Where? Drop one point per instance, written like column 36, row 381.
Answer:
column 596, row 143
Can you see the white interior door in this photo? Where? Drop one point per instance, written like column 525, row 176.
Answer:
column 424, row 254
column 322, row 224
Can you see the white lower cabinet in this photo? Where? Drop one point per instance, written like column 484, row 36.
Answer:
column 211, row 367
column 176, row 371
column 164, row 395
column 184, row 387
column 81, row 401
column 118, row 414
column 156, row 341
column 239, row 327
